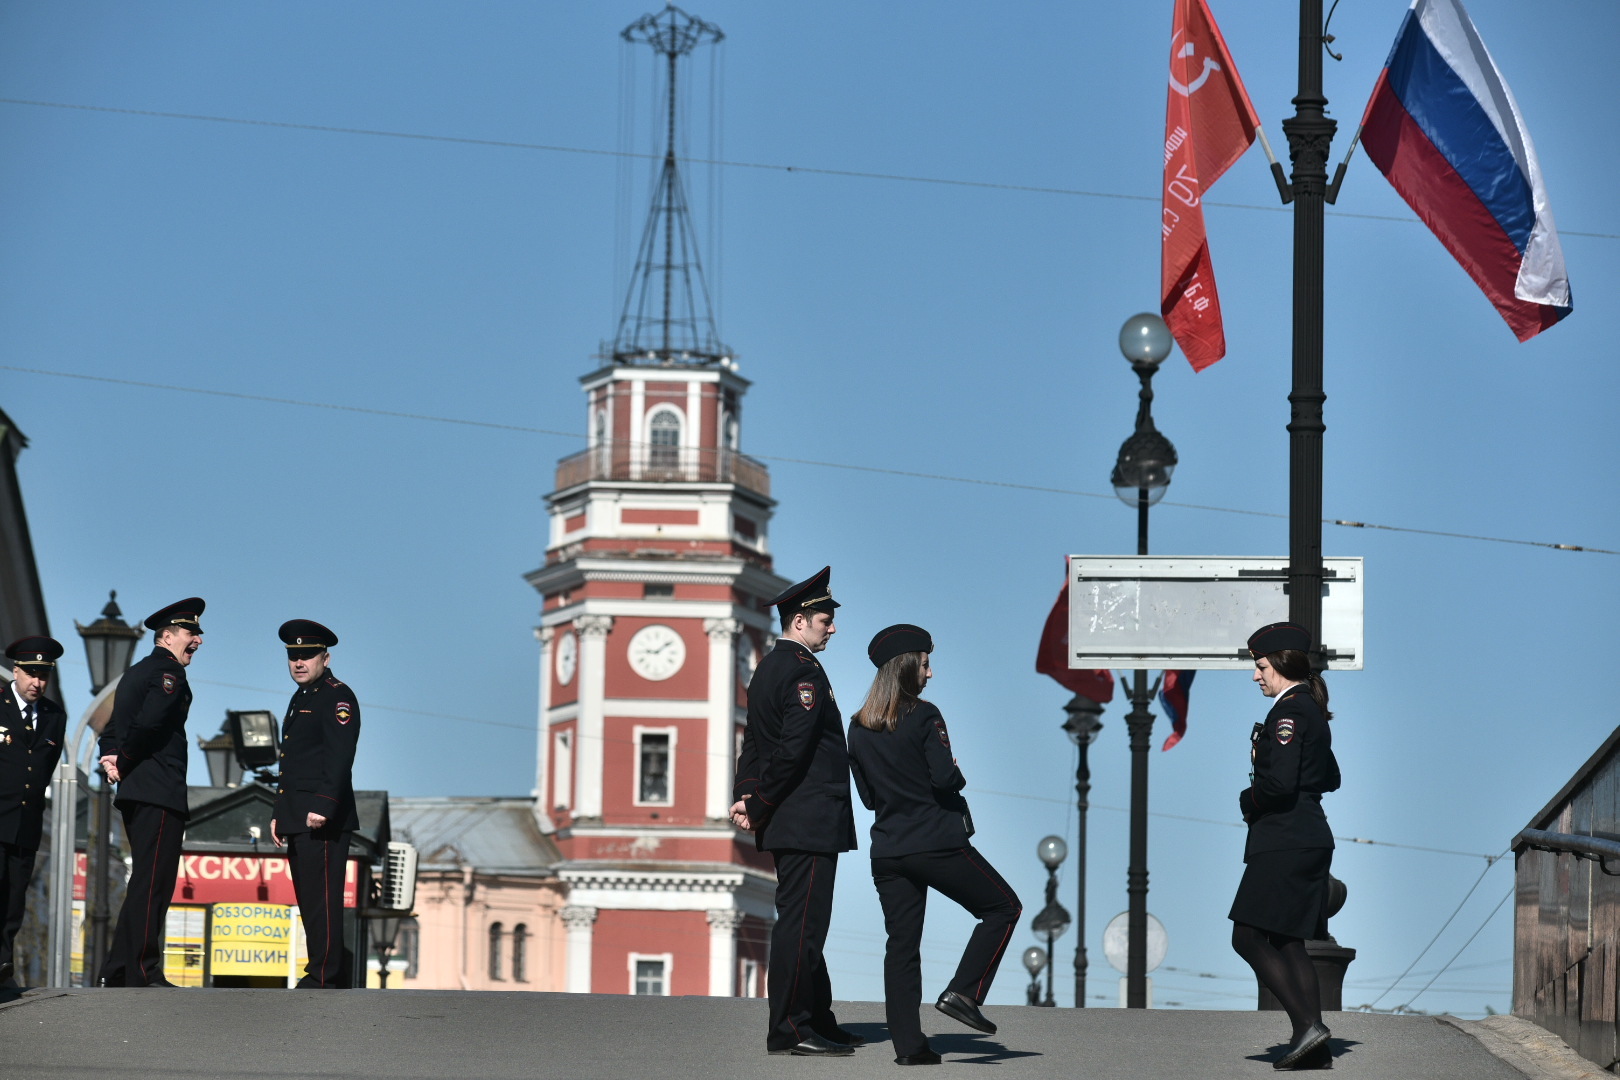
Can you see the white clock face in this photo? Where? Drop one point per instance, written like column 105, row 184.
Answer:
column 567, row 657
column 747, row 657
column 657, row 652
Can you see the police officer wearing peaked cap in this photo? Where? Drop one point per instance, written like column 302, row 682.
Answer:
column 314, row 812
column 31, row 730
column 792, row 792
column 1282, row 900
column 144, row 751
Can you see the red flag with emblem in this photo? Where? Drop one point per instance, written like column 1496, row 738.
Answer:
column 1208, row 125
column 1052, row 658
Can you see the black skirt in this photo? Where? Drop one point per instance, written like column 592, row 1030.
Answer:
column 1285, row 892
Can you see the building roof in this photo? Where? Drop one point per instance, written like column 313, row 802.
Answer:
column 221, row 816
column 490, row 835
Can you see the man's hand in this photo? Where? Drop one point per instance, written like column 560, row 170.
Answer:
column 275, row 835
column 739, row 816
column 315, row 820
column 109, row 765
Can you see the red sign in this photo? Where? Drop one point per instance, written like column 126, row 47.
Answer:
column 224, row 879
column 81, row 866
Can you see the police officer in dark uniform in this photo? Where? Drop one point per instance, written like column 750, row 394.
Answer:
column 314, row 812
column 31, row 733
column 792, row 792
column 143, row 750
column 900, row 755
column 1283, row 898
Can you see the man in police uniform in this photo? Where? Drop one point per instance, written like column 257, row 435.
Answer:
column 144, row 751
column 31, row 729
column 792, row 792
column 314, row 812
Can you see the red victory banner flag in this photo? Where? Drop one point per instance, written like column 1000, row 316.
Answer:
column 1208, row 125
column 1052, row 657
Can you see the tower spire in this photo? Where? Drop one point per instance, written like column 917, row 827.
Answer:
column 667, row 316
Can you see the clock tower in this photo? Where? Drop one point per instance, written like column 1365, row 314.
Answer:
column 653, row 615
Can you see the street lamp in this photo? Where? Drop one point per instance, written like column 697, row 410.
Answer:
column 384, row 927
column 1082, row 727
column 1034, row 961
column 109, row 644
column 1053, row 920
column 1141, row 477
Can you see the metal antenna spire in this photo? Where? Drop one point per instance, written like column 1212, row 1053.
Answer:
column 681, row 329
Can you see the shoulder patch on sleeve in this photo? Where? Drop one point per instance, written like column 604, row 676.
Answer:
column 1285, row 730
column 169, row 683
column 807, row 695
column 345, row 712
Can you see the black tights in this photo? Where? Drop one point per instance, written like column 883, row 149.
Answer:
column 1283, row 965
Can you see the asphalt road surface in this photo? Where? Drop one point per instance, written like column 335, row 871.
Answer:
column 409, row 1034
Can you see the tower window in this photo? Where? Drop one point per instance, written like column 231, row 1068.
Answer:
column 649, row 975
column 520, row 950
column 654, row 782
column 652, row 591
column 664, row 439
column 495, row 950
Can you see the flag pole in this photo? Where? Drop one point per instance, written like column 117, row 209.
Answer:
column 1310, row 138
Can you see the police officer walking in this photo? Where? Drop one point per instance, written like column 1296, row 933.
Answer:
column 1283, row 897
column 144, row 751
column 314, row 812
column 792, row 792
column 901, row 758
column 31, row 732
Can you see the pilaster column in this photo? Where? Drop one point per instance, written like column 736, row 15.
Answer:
column 593, row 636
column 581, row 924
column 544, row 635
column 723, row 926
column 722, row 720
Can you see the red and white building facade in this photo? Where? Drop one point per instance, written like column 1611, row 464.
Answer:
column 654, row 585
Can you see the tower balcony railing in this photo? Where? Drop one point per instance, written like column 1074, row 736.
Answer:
column 659, row 464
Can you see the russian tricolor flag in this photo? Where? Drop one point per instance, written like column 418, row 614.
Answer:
column 1442, row 125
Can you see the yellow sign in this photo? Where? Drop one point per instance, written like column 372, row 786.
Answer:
column 252, row 939
column 183, row 944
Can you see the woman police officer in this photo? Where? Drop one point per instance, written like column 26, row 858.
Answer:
column 900, row 757
column 1283, row 897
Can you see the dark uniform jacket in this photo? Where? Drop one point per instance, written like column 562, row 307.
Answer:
column 910, row 780
column 26, row 763
column 318, row 739
column 793, row 773
column 1293, row 764
column 147, row 731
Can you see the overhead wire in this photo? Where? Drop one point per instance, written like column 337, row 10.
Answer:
column 1425, row 951
column 555, row 148
column 1508, row 896
column 1014, row 485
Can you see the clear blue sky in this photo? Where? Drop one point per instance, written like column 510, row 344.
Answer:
column 939, row 329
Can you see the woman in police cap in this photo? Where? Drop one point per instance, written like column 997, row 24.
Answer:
column 900, row 756
column 1283, row 898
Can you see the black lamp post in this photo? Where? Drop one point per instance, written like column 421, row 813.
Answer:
column 1053, row 920
column 1141, row 477
column 1082, row 727
column 384, row 927
column 109, row 645
column 1034, row 961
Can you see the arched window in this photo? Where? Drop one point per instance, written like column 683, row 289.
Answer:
column 494, row 950
column 520, row 943
column 664, row 439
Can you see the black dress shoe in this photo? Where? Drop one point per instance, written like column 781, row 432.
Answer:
column 814, row 1045
column 924, row 1057
column 843, row 1037
column 1305, row 1047
column 960, row 1008
column 5, row 970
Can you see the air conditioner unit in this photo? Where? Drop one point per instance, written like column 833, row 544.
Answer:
column 399, row 882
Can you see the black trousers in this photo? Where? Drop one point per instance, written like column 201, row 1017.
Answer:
column 800, row 988
column 318, row 863
column 16, row 870
column 136, row 955
column 962, row 875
